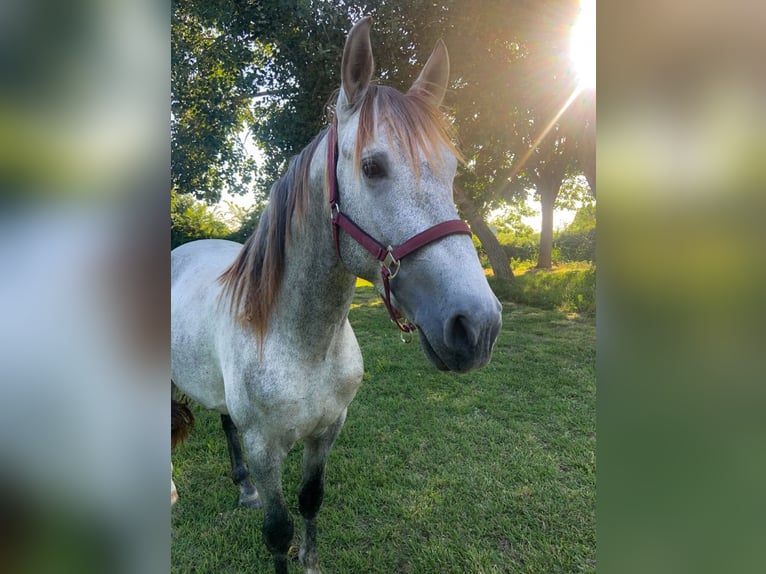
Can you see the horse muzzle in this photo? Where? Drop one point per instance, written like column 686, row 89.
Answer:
column 465, row 339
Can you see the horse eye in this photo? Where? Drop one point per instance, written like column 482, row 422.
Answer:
column 372, row 169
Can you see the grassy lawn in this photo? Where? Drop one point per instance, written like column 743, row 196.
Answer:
column 492, row 471
column 568, row 287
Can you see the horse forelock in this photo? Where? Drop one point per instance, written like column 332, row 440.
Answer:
column 410, row 119
column 252, row 282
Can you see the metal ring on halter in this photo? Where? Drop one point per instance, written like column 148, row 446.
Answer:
column 407, row 338
column 390, row 260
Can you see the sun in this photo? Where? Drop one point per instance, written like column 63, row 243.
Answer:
column 582, row 44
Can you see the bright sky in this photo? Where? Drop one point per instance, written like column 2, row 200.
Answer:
column 582, row 44
column 561, row 217
column 248, row 199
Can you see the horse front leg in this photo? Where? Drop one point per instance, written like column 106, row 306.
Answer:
column 248, row 495
column 266, row 470
column 315, row 453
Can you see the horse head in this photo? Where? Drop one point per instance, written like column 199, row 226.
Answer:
column 395, row 167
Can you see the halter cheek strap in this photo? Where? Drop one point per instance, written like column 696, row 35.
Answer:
column 390, row 257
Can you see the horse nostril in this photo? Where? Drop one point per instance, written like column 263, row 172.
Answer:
column 460, row 334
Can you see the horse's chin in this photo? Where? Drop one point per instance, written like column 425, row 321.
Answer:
column 430, row 353
column 453, row 364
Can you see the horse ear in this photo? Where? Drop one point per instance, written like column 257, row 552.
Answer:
column 357, row 66
column 434, row 77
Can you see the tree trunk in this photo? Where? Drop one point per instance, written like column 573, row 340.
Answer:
column 586, row 146
column 547, row 198
column 498, row 258
column 587, row 153
column 590, row 174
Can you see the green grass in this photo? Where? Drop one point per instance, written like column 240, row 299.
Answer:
column 569, row 287
column 492, row 471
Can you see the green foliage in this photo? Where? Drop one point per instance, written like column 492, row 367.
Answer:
column 192, row 219
column 483, row 257
column 569, row 288
column 578, row 241
column 491, row 471
column 272, row 65
column 219, row 60
column 303, row 72
column 513, row 82
column 248, row 221
column 574, row 193
column 584, row 219
column 522, row 245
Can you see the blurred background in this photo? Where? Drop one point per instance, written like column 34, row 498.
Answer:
column 84, row 290
column 85, row 233
column 681, row 143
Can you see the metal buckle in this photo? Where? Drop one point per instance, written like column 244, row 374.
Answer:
column 389, row 260
column 334, row 211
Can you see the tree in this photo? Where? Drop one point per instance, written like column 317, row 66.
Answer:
column 509, row 75
column 552, row 162
column 555, row 160
column 512, row 85
column 546, row 116
column 498, row 258
column 192, row 219
column 304, row 71
column 219, row 60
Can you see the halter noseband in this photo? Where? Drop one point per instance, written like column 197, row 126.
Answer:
column 390, row 257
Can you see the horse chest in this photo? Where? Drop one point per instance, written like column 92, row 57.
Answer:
column 328, row 389
column 297, row 395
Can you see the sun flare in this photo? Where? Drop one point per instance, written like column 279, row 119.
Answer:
column 582, row 44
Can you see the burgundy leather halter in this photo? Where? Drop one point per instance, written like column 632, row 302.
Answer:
column 390, row 257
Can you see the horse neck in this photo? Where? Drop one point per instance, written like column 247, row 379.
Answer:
column 317, row 289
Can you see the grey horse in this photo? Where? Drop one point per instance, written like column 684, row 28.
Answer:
column 260, row 332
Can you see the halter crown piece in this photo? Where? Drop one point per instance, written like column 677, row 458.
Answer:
column 390, row 257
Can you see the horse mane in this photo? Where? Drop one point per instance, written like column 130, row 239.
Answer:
column 252, row 282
